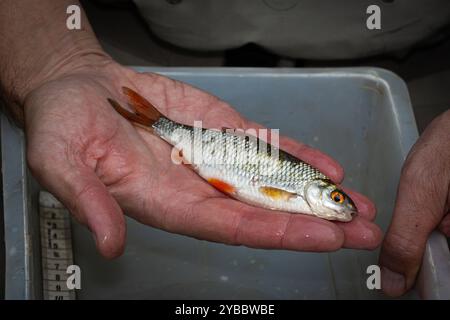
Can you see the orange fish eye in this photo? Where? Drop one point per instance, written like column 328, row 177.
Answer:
column 337, row 196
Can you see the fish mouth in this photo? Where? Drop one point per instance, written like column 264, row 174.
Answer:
column 348, row 216
column 353, row 211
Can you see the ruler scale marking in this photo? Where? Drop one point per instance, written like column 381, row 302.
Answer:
column 56, row 248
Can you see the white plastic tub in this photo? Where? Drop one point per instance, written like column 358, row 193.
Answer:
column 368, row 109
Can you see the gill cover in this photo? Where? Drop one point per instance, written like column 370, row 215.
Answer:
column 327, row 201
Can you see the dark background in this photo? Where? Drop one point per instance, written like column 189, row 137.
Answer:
column 425, row 69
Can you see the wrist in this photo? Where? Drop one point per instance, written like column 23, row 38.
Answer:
column 75, row 59
column 36, row 47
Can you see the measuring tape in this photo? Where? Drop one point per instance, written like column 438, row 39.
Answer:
column 56, row 248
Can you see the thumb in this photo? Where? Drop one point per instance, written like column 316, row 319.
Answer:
column 87, row 198
column 420, row 206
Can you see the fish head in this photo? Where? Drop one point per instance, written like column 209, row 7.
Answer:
column 327, row 201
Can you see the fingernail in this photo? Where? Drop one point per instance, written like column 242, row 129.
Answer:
column 392, row 283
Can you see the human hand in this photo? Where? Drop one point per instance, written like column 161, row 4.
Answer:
column 423, row 204
column 97, row 164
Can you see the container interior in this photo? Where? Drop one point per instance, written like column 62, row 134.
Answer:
column 356, row 117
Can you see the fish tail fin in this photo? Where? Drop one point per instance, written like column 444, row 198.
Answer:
column 145, row 114
column 135, row 118
column 141, row 105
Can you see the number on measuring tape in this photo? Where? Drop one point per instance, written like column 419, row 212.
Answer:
column 56, row 248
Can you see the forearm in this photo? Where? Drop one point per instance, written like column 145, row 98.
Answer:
column 36, row 45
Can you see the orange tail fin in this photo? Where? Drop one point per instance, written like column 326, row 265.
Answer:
column 140, row 105
column 145, row 113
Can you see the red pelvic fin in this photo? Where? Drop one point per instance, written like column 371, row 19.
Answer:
column 222, row 185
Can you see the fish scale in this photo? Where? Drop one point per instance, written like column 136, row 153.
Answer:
column 245, row 167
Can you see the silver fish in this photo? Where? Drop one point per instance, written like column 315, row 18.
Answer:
column 245, row 167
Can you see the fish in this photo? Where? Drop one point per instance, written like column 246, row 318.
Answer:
column 243, row 166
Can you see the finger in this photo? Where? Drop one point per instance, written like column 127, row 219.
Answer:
column 314, row 157
column 366, row 208
column 229, row 221
column 80, row 190
column 101, row 214
column 266, row 228
column 418, row 210
column 421, row 204
column 361, row 234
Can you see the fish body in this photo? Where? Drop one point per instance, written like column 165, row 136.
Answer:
column 245, row 167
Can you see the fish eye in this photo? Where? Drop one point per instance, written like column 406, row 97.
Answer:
column 337, row 196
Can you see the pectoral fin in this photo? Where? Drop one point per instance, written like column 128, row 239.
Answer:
column 277, row 194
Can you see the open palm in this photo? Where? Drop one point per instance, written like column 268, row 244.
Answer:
column 97, row 164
